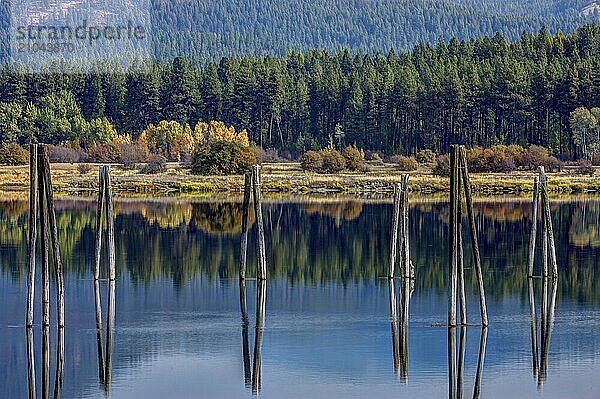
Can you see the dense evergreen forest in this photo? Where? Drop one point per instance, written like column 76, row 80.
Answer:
column 211, row 29
column 480, row 92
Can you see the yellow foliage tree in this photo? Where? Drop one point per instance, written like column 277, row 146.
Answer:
column 205, row 133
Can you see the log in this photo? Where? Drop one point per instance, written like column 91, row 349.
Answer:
column 99, row 218
column 395, row 224
column 245, row 215
column 58, row 269
column 110, row 224
column 33, row 213
column 533, row 236
column 452, row 247
column 262, row 261
column 474, row 241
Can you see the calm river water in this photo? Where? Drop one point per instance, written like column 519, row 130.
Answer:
column 325, row 329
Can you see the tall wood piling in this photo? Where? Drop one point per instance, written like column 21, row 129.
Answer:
column 453, row 236
column 399, row 244
column 261, row 251
column 534, row 217
column 105, row 210
column 245, row 217
column 33, row 212
column 395, row 225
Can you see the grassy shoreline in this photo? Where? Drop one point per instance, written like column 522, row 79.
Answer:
column 288, row 180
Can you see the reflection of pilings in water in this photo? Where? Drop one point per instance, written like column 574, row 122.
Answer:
column 245, row 348
column 452, row 362
column 60, row 363
column 534, row 345
column 394, row 325
column 461, row 361
column 545, row 338
column 110, row 329
column 261, row 299
column 404, row 313
column 30, row 363
column 99, row 333
column 46, row 362
column 544, row 322
column 480, row 361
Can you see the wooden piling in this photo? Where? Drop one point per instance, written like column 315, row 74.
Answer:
column 99, row 219
column 395, row 227
column 460, row 259
column 33, row 212
column 30, row 364
column 110, row 228
column 407, row 269
column 262, row 262
column 474, row 241
column 58, row 269
column 534, row 215
column 549, row 230
column 45, row 246
column 245, row 216
column 261, row 299
column 453, row 253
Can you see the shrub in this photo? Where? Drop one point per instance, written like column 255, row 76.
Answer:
column 354, row 157
column 156, row 164
column 493, row 159
column 442, row 166
column 405, row 163
column 375, row 158
column 333, row 161
column 84, row 168
column 596, row 159
column 584, row 167
column 312, row 161
column 269, row 156
column 109, row 152
column 552, row 164
column 425, row 156
column 223, row 158
column 132, row 154
column 64, row 154
column 13, row 154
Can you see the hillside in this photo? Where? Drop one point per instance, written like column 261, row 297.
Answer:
column 210, row 29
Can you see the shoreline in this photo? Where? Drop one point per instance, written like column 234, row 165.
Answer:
column 288, row 180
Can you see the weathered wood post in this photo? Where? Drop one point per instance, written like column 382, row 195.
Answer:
column 245, row 216
column 262, row 261
column 395, row 224
column 407, row 267
column 45, row 244
column 461, row 263
column 33, row 212
column 99, row 219
column 534, row 216
column 474, row 241
column 245, row 346
column 452, row 234
column 549, row 230
column 261, row 300
column 110, row 224
column 51, row 215
column 30, row 364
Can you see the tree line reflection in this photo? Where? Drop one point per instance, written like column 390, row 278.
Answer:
column 311, row 243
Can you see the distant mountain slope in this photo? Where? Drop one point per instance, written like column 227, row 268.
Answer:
column 209, row 29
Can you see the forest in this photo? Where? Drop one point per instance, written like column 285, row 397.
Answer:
column 484, row 91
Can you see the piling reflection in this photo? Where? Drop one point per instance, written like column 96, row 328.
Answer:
column 30, row 363
column 105, row 353
column 60, row 362
column 46, row 362
column 547, row 320
column 399, row 325
column 456, row 368
column 252, row 374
